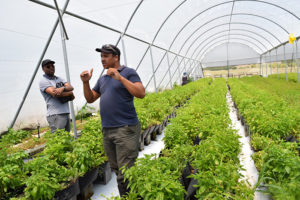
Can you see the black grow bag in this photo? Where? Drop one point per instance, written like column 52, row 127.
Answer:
column 104, row 174
column 68, row 193
column 88, row 178
column 191, row 190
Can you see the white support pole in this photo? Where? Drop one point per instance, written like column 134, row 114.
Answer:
column 277, row 63
column 297, row 60
column 169, row 66
column 124, row 51
column 266, row 64
column 260, row 68
column 153, row 71
column 178, row 66
column 184, row 64
column 285, row 67
column 270, row 63
column 64, row 47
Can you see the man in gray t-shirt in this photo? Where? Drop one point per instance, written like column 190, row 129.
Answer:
column 56, row 92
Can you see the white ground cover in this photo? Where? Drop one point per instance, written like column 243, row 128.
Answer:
column 111, row 188
column 250, row 173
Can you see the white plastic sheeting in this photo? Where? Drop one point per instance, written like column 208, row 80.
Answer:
column 180, row 27
column 250, row 172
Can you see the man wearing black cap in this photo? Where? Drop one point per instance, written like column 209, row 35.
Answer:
column 120, row 125
column 56, row 92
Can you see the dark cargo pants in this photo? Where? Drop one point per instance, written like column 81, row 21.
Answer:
column 121, row 146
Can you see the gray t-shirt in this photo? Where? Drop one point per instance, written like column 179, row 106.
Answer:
column 54, row 106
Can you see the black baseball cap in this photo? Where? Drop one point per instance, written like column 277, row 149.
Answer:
column 47, row 61
column 109, row 48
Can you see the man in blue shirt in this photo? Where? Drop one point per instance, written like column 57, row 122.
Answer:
column 56, row 92
column 120, row 125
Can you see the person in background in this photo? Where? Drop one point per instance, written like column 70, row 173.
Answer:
column 184, row 78
column 120, row 124
column 56, row 92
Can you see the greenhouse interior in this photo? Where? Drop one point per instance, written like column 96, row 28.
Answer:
column 159, row 99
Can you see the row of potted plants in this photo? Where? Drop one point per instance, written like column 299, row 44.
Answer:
column 185, row 170
column 155, row 107
column 286, row 90
column 65, row 158
column 292, row 77
column 271, row 118
column 61, row 165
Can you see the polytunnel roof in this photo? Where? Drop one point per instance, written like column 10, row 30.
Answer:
column 153, row 34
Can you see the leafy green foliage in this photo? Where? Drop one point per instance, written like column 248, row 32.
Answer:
column 12, row 174
column 267, row 115
column 14, row 137
column 85, row 112
column 205, row 116
column 46, row 178
column 155, row 107
column 58, row 145
column 158, row 178
column 271, row 108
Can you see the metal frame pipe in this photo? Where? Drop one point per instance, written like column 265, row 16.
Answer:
column 284, row 58
column 152, row 63
column 297, row 61
column 65, row 54
column 277, row 63
column 61, row 21
column 37, row 67
column 171, row 86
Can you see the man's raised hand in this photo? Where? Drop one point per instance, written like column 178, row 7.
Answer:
column 86, row 75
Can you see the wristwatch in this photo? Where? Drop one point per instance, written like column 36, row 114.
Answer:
column 64, row 88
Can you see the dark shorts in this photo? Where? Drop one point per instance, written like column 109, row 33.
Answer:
column 60, row 121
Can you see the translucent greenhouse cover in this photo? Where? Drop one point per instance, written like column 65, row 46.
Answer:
column 161, row 39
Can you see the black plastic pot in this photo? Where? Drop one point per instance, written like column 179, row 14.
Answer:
column 291, row 138
column 191, row 190
column 165, row 123
column 104, row 174
column 242, row 120
column 196, row 140
column 246, row 129
column 88, row 178
column 161, row 128
column 68, row 193
column 141, row 141
column 185, row 181
column 155, row 132
column 147, row 137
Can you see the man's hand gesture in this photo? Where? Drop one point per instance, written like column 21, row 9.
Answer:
column 113, row 73
column 86, row 76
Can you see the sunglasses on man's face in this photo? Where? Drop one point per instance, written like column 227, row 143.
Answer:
column 49, row 66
